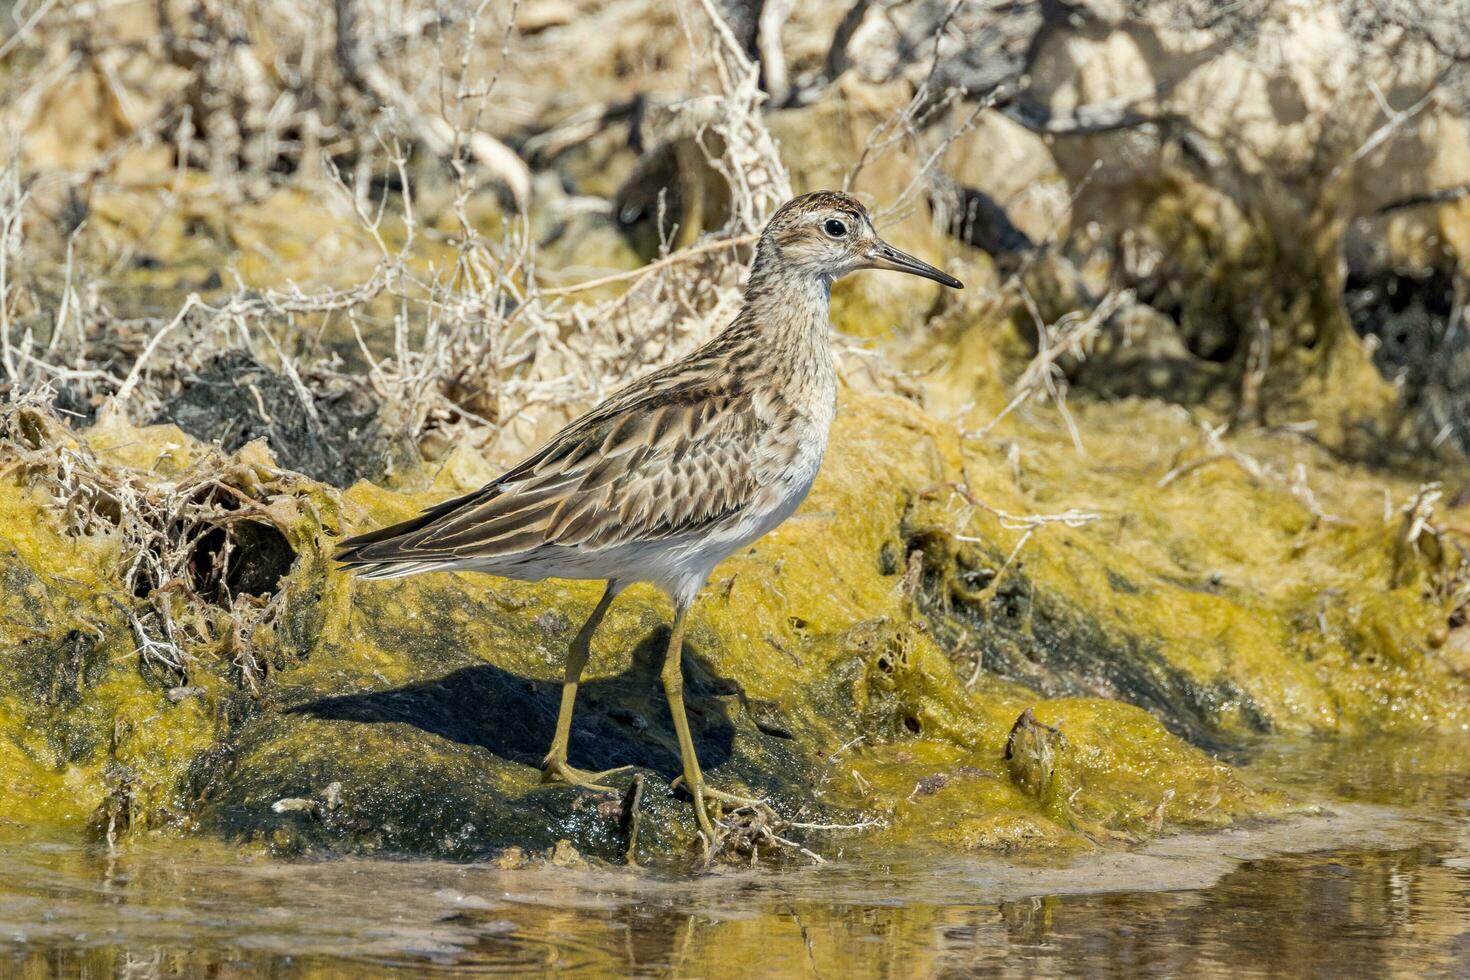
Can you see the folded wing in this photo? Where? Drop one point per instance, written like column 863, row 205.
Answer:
column 672, row 459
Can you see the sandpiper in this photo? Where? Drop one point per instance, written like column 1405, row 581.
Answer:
column 674, row 472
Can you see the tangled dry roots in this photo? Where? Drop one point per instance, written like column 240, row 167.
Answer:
column 201, row 553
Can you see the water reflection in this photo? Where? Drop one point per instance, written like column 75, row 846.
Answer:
column 1392, row 898
column 1402, row 913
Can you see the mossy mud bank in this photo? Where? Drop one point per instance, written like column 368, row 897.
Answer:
column 1185, row 465
column 870, row 664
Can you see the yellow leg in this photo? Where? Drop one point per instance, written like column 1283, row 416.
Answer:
column 673, row 675
column 555, row 768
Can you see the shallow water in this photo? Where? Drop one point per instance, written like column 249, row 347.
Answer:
column 1376, row 886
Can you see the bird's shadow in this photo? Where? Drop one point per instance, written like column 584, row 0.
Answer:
column 621, row 720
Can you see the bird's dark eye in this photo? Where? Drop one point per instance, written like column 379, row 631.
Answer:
column 834, row 228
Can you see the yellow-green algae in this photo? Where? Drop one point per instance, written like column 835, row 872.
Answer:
column 76, row 708
column 1324, row 623
column 428, row 701
column 425, row 700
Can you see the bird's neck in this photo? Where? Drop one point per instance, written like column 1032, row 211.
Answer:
column 786, row 310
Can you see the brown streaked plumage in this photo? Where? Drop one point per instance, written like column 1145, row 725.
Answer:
column 674, row 472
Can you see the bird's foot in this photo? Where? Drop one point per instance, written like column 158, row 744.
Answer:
column 720, row 796
column 557, row 771
column 710, row 832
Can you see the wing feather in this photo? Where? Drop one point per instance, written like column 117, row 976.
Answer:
column 671, row 456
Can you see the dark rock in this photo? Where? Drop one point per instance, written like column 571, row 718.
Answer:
column 1031, row 755
column 1416, row 324
column 450, row 766
column 235, row 399
column 979, row 221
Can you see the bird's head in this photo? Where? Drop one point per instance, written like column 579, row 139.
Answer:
column 827, row 234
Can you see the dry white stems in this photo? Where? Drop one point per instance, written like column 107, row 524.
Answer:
column 1073, row 337
column 161, row 526
column 486, row 327
column 473, row 348
column 1216, row 450
column 1419, row 512
column 1027, row 524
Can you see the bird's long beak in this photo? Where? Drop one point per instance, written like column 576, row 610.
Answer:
column 884, row 256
